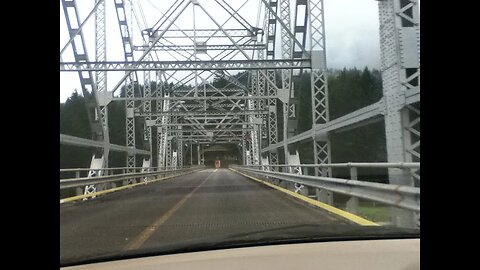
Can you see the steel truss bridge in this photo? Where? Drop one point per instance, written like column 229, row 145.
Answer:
column 259, row 62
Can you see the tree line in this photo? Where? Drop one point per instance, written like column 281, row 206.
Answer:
column 349, row 90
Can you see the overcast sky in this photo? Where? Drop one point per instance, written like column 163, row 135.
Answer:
column 352, row 33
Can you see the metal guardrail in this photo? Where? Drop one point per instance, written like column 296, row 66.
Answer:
column 110, row 171
column 413, row 167
column 399, row 196
column 399, row 165
column 84, row 181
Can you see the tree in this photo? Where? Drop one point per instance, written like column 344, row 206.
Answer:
column 74, row 121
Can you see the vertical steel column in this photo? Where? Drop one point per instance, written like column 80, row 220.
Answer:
column 129, row 82
column 202, row 155
column 101, row 76
column 288, row 108
column 162, row 106
column 89, row 88
column 175, row 149
column 147, row 109
column 198, row 155
column 260, row 86
column 191, row 154
column 254, row 144
column 399, row 44
column 174, row 159
column 180, row 152
column 130, row 121
column 168, row 151
column 319, row 91
column 244, row 145
column 272, row 108
column 318, row 81
column 179, row 144
column 411, row 125
column 271, row 22
column 260, row 91
column 165, row 140
column 103, row 100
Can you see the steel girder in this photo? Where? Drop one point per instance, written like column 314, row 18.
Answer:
column 286, row 75
column 399, row 33
column 211, row 114
column 412, row 138
column 271, row 24
column 101, row 83
column 89, row 88
column 400, row 65
column 130, row 82
column 319, row 89
column 186, row 65
column 97, row 115
column 204, row 33
column 162, row 135
column 254, row 139
column 272, row 122
column 147, row 109
column 82, row 142
column 212, row 47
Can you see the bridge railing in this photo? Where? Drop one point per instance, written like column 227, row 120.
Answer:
column 409, row 167
column 111, row 181
column 404, row 197
column 83, row 172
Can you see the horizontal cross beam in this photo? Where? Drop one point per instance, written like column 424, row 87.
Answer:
column 186, row 65
column 76, row 141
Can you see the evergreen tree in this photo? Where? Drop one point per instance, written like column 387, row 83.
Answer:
column 349, row 90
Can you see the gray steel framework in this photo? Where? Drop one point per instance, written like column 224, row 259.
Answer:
column 186, row 65
column 96, row 110
column 187, row 107
column 400, row 57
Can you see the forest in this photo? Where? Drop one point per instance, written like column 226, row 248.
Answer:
column 349, row 90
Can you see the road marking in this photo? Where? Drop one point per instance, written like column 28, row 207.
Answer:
column 145, row 234
column 75, row 198
column 215, row 170
column 329, row 208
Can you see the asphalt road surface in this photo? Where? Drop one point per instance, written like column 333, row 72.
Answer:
column 209, row 203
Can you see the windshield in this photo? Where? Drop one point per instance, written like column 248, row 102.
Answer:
column 212, row 124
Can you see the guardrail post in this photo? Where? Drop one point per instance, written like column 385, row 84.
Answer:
column 78, row 190
column 112, row 184
column 124, row 182
column 352, row 203
column 324, row 196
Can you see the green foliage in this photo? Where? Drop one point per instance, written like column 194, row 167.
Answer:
column 304, row 108
column 349, row 90
column 73, row 117
column 74, row 121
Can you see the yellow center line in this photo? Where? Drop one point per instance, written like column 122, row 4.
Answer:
column 145, row 234
column 94, row 194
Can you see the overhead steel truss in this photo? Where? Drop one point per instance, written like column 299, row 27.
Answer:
column 186, row 65
column 218, row 84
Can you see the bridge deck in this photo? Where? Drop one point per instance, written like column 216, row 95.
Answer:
column 209, row 203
